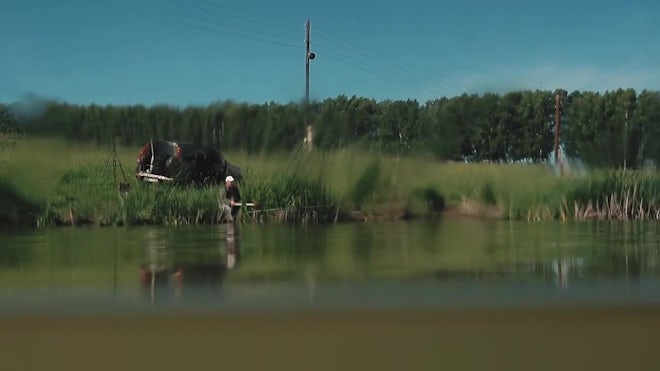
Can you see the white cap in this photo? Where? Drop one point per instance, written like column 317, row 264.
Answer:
column 229, row 178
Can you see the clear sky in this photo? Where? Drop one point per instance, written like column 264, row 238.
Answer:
column 183, row 52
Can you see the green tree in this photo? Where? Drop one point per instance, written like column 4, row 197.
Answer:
column 647, row 118
column 8, row 131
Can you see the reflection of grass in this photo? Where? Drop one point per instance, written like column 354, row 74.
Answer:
column 346, row 177
column 86, row 257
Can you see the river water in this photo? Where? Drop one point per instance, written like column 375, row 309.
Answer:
column 457, row 293
column 379, row 265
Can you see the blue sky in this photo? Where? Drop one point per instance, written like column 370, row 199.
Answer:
column 183, row 52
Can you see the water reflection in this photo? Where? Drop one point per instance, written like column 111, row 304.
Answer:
column 233, row 245
column 170, row 271
column 185, row 264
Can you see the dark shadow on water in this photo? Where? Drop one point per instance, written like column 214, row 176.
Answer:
column 14, row 256
column 363, row 245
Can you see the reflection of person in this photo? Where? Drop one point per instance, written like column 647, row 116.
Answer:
column 233, row 196
column 154, row 272
column 233, row 246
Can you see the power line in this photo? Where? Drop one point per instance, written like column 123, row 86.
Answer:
column 236, row 17
column 371, row 71
column 383, row 58
column 370, row 51
column 369, row 67
column 239, row 36
column 160, row 18
column 387, row 61
column 363, row 64
column 376, row 65
column 197, row 19
column 378, row 60
column 226, row 6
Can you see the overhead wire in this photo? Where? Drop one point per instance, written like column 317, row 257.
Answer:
column 198, row 23
column 242, row 19
column 238, row 36
column 363, row 58
column 286, row 26
column 381, row 58
column 374, row 59
column 322, row 33
column 210, row 23
column 376, row 70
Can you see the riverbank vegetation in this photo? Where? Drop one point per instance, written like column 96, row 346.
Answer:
column 55, row 184
column 472, row 155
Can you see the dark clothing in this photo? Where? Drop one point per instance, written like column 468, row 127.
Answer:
column 233, row 193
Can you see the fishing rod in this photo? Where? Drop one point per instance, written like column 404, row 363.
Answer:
column 296, row 208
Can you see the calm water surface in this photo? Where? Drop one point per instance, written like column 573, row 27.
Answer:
column 410, row 265
column 446, row 295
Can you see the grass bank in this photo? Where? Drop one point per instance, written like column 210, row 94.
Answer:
column 61, row 184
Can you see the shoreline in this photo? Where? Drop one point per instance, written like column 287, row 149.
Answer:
column 27, row 218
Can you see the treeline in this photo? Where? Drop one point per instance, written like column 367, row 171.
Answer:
column 604, row 129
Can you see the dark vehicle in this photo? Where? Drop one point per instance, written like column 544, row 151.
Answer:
column 183, row 163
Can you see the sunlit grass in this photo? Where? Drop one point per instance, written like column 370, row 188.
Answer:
column 515, row 186
column 346, row 179
column 38, row 164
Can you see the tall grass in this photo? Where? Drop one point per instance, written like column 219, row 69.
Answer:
column 399, row 183
column 289, row 198
column 81, row 189
column 84, row 195
column 169, row 205
column 619, row 194
column 77, row 185
column 36, row 165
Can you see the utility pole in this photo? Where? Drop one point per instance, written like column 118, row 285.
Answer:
column 625, row 140
column 557, row 125
column 308, row 56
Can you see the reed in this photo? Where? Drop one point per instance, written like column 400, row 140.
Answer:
column 616, row 194
column 288, row 197
column 166, row 204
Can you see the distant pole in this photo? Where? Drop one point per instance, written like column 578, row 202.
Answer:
column 307, row 42
column 625, row 140
column 557, row 126
column 308, row 56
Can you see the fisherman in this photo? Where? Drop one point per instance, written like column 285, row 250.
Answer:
column 233, row 196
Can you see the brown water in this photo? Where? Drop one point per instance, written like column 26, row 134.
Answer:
column 456, row 294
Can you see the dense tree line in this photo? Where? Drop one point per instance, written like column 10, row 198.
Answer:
column 604, row 129
column 8, row 130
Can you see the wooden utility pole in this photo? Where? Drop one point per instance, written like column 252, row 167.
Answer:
column 308, row 56
column 558, row 160
column 557, row 125
column 625, row 140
